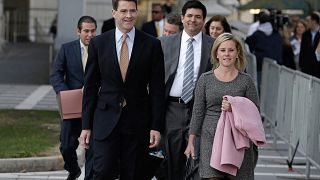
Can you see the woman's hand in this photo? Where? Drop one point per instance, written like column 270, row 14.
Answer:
column 190, row 147
column 225, row 106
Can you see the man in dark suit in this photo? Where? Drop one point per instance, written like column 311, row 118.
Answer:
column 108, row 25
column 123, row 101
column 67, row 74
column 155, row 27
column 178, row 111
column 310, row 39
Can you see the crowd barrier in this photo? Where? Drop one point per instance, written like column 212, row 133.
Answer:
column 252, row 67
column 290, row 102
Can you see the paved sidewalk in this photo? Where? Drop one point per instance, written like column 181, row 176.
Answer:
column 41, row 97
column 38, row 175
column 271, row 164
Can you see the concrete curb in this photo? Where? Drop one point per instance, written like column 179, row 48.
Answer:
column 33, row 164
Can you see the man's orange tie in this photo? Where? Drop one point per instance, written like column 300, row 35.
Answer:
column 84, row 57
column 158, row 29
column 124, row 57
column 124, row 61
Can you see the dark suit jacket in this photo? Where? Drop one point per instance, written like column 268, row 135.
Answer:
column 67, row 72
column 262, row 45
column 307, row 59
column 104, row 90
column 171, row 49
column 150, row 28
column 108, row 25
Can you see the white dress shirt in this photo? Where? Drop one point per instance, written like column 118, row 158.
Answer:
column 176, row 89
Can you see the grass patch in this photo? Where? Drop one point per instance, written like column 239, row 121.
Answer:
column 28, row 133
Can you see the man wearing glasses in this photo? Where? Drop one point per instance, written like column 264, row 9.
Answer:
column 155, row 27
column 123, row 98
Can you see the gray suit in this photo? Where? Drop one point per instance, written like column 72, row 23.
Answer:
column 178, row 114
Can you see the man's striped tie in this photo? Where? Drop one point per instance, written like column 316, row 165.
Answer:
column 188, row 83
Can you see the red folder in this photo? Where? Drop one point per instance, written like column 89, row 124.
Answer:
column 71, row 103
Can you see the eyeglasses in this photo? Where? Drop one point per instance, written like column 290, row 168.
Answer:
column 125, row 11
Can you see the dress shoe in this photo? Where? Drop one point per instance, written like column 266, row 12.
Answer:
column 74, row 176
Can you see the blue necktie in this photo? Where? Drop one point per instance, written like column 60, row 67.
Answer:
column 188, row 84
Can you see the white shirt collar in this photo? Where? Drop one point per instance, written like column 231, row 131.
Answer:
column 119, row 34
column 185, row 37
column 81, row 44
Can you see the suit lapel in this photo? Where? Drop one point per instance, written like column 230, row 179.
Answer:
column 175, row 53
column 137, row 47
column 316, row 41
column 112, row 56
column 154, row 28
column 205, row 54
column 78, row 56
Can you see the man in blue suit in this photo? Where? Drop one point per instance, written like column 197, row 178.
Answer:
column 67, row 74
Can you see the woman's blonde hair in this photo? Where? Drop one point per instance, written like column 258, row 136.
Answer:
column 241, row 60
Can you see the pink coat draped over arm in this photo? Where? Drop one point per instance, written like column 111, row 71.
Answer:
column 234, row 131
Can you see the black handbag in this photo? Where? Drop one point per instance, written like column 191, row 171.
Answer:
column 192, row 167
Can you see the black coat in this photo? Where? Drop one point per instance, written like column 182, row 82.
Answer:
column 307, row 59
column 108, row 25
column 262, row 45
column 105, row 91
column 150, row 28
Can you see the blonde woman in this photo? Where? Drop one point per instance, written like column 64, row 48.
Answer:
column 226, row 78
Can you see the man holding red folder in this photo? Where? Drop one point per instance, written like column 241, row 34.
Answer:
column 68, row 74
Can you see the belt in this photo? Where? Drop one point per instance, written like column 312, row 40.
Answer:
column 176, row 99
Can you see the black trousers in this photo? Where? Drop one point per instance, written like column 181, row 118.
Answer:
column 89, row 161
column 123, row 152
column 70, row 132
column 175, row 139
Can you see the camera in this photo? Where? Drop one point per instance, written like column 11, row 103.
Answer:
column 277, row 19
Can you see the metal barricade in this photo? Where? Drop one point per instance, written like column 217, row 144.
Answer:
column 290, row 101
column 252, row 67
column 264, row 86
column 313, row 136
column 269, row 89
column 284, row 103
column 301, row 108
